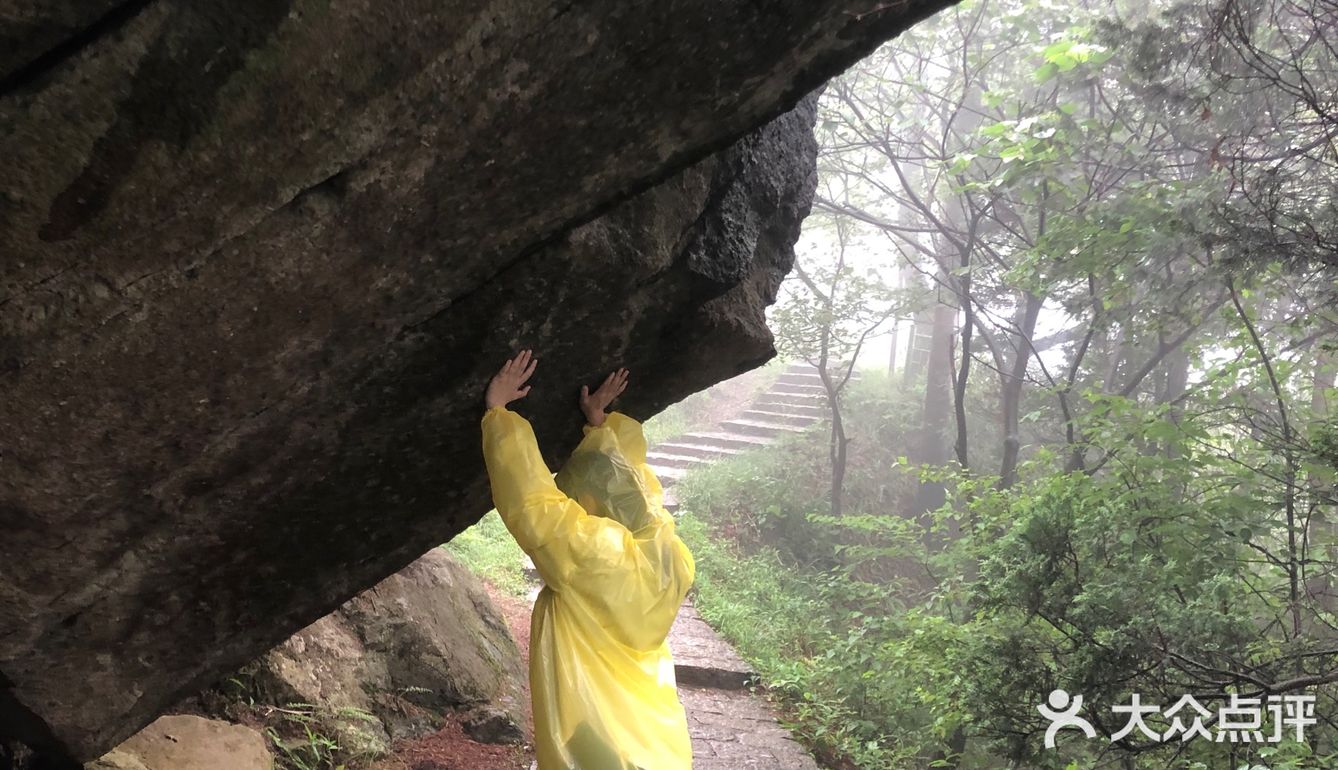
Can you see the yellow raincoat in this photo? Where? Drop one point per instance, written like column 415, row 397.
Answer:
column 615, row 573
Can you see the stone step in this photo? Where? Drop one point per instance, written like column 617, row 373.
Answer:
column 760, row 428
column 670, row 501
column 663, row 458
column 812, row 378
column 780, row 418
column 812, row 371
column 800, row 378
column 798, row 399
column 800, row 390
column 767, row 403
column 702, row 658
column 736, row 441
column 668, row 476
column 704, row 450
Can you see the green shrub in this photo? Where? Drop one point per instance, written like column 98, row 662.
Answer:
column 848, row 670
column 765, row 496
column 1088, row 582
column 488, row 549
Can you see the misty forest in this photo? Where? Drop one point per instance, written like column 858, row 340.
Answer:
column 1069, row 289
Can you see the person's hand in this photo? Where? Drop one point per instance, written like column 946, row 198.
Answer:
column 505, row 386
column 594, row 404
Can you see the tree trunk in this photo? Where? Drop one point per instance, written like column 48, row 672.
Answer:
column 1177, row 379
column 1323, row 534
column 931, row 445
column 915, row 366
column 956, row 745
column 963, row 373
column 1012, row 389
column 892, row 357
column 838, row 441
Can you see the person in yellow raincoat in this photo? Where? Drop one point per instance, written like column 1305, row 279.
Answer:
column 615, row 573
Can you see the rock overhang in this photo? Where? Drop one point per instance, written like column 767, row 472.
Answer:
column 258, row 264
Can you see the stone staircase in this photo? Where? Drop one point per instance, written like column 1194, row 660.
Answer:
column 794, row 402
column 732, row 727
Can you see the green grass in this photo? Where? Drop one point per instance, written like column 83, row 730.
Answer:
column 783, row 623
column 674, row 421
column 756, row 602
column 488, row 549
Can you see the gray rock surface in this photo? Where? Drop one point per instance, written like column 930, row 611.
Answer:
column 737, row 730
column 490, row 724
column 702, row 658
column 257, row 260
column 422, row 641
column 186, row 742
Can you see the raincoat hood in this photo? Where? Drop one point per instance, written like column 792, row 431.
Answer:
column 606, row 484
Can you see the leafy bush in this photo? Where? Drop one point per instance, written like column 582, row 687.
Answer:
column 849, row 671
column 1103, row 584
column 488, row 549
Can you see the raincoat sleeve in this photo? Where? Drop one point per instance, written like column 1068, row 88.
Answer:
column 558, row 535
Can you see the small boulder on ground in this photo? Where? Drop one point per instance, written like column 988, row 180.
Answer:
column 490, row 724
column 392, row 661
column 185, row 742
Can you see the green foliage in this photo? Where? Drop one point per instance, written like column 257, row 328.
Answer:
column 305, row 736
column 1103, row 584
column 1087, row 582
column 314, row 737
column 1324, row 438
column 315, row 752
column 817, row 642
column 488, row 549
column 750, row 495
column 1160, row 183
column 806, row 598
column 769, row 496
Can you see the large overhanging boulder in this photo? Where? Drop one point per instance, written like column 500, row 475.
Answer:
column 258, row 258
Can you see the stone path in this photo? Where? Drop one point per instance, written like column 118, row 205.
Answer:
column 735, row 729
column 702, row 658
column 731, row 726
